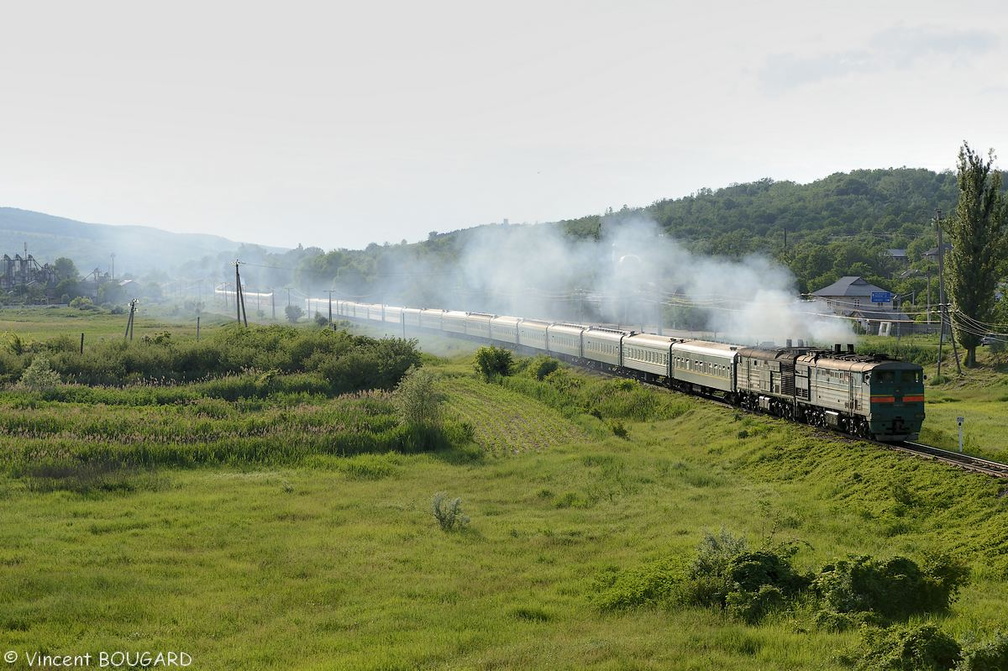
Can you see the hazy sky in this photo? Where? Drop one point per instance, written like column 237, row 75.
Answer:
column 335, row 124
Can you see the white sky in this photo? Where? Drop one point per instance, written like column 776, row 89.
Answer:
column 335, row 124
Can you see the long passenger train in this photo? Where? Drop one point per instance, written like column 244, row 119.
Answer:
column 867, row 396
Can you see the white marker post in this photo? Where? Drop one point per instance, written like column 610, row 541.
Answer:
column 960, row 420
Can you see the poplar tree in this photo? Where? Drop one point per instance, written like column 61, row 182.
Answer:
column 977, row 234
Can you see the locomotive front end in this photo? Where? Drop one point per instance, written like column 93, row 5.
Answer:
column 896, row 397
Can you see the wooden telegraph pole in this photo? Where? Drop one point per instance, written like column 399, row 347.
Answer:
column 240, row 298
column 129, row 323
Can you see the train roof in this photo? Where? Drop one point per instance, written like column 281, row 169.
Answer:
column 705, row 347
column 652, row 339
column 571, row 327
column 855, row 362
column 775, row 353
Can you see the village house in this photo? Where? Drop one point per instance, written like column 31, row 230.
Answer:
column 871, row 307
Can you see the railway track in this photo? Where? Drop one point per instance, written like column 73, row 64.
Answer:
column 963, row 461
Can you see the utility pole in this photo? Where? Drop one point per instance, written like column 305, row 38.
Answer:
column 237, row 291
column 129, row 324
column 239, row 297
column 942, row 305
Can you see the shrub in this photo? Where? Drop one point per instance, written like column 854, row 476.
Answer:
column 39, row 375
column 748, row 584
column 417, row 399
column 750, row 571
column 751, row 607
column 448, row 513
column 988, row 656
column 544, row 366
column 493, row 362
column 14, row 344
column 715, row 553
column 82, row 303
column 919, row 648
column 892, row 589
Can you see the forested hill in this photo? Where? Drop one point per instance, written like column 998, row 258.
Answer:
column 844, row 224
column 841, row 225
column 138, row 250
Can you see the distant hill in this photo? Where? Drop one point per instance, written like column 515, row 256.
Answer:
column 138, row 249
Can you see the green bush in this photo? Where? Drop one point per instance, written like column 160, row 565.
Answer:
column 39, row 375
column 988, row 656
column 748, row 584
column 715, row 554
column 544, row 365
column 918, row 648
column 417, row 399
column 751, row 571
column 492, row 362
column 893, row 589
column 752, row 607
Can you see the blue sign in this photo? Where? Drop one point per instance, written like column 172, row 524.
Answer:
column 881, row 297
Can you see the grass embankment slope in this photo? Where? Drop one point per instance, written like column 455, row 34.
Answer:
column 316, row 560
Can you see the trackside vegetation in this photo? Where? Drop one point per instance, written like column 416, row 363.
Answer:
column 339, row 361
column 306, row 498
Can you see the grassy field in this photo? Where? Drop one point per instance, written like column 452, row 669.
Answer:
column 41, row 323
column 290, row 556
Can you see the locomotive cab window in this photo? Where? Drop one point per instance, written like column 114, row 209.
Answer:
column 886, row 376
